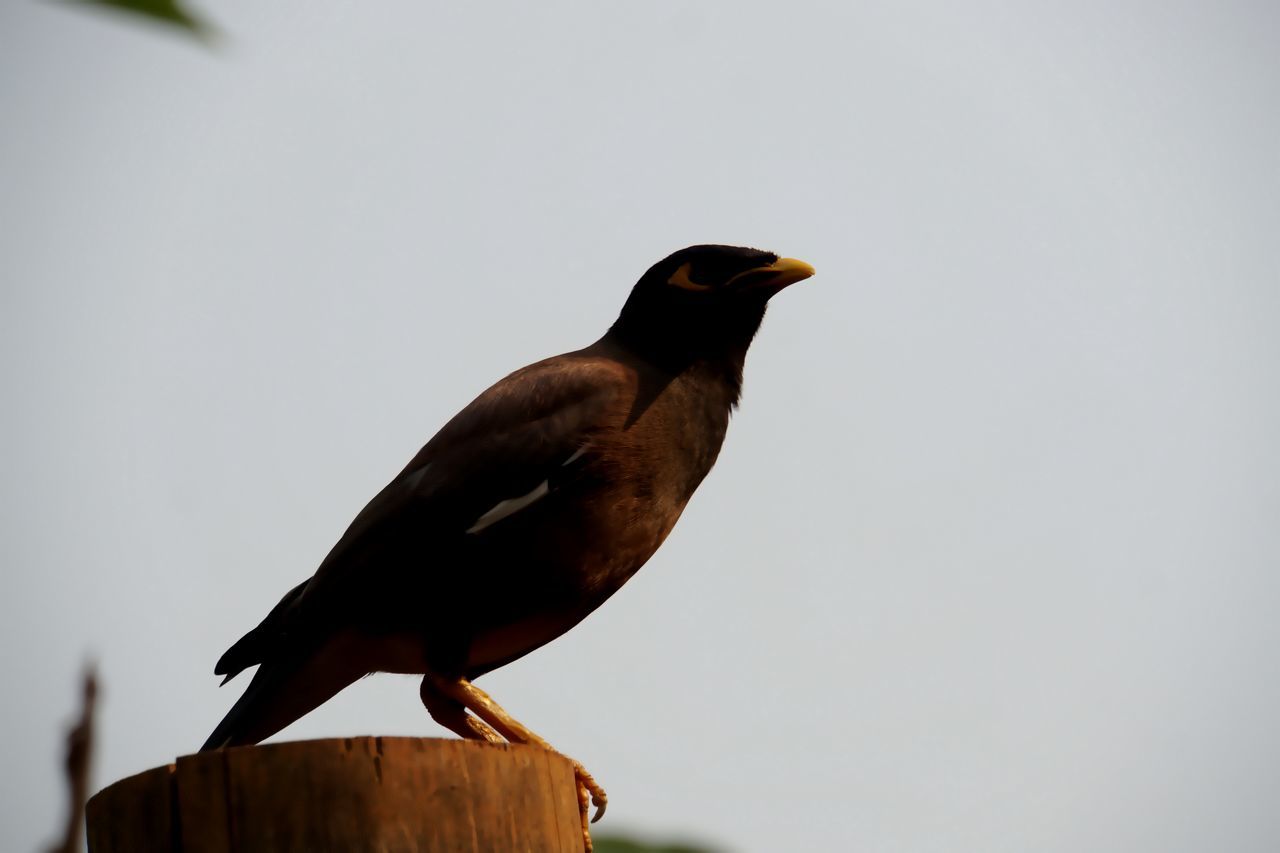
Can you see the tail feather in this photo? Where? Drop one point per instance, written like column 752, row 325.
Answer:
column 283, row 690
column 235, row 728
column 256, row 646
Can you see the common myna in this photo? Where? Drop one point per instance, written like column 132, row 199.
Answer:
column 532, row 506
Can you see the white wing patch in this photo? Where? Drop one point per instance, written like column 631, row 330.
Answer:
column 416, row 477
column 577, row 454
column 509, row 507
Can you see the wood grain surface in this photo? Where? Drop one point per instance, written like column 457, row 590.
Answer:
column 366, row 793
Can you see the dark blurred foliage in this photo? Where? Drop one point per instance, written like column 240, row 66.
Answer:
column 168, row 12
column 623, row 844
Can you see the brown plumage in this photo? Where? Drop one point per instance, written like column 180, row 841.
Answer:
column 533, row 505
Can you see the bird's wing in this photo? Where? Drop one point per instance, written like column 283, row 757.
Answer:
column 496, row 451
column 499, row 454
column 492, row 458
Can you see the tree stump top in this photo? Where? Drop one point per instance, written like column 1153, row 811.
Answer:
column 364, row 793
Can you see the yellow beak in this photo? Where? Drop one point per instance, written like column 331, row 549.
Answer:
column 776, row 275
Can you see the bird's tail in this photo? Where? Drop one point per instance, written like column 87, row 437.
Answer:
column 259, row 644
column 282, row 690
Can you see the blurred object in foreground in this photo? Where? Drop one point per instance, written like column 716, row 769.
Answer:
column 624, row 844
column 168, row 12
column 79, row 752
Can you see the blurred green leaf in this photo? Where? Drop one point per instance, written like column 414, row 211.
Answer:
column 165, row 11
column 623, row 844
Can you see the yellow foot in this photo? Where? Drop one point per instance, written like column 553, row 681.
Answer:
column 446, row 697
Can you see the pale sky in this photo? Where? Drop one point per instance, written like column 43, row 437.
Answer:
column 989, row 561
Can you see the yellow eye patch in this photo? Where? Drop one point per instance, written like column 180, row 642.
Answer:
column 680, row 278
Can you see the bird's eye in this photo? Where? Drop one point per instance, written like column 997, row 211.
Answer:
column 680, row 278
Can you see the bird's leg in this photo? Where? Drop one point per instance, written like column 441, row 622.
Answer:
column 480, row 704
column 452, row 714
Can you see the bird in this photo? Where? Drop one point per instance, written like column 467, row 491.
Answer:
column 523, row 514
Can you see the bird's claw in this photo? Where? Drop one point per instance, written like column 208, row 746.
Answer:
column 588, row 785
column 589, row 793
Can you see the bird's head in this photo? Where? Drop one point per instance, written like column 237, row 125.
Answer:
column 704, row 301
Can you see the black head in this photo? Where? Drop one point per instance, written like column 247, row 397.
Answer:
column 704, row 301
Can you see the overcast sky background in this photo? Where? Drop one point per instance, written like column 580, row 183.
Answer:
column 989, row 561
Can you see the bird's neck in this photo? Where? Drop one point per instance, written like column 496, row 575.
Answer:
column 720, row 370
column 712, row 352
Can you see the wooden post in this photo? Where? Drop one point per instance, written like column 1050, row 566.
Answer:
column 365, row 793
